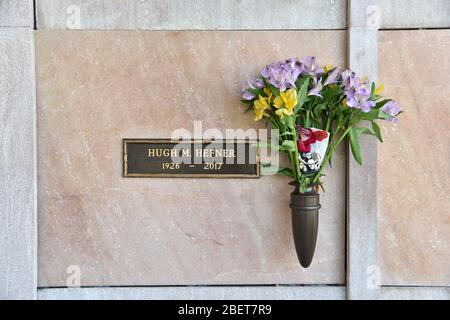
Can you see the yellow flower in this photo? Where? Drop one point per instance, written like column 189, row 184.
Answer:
column 286, row 102
column 278, row 102
column 260, row 107
column 328, row 67
column 344, row 103
column 283, row 112
column 379, row 89
column 290, row 98
column 268, row 94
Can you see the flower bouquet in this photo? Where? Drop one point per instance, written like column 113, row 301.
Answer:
column 314, row 109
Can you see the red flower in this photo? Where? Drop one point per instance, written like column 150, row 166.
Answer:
column 320, row 135
column 307, row 137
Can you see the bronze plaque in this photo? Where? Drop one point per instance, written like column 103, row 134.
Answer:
column 190, row 158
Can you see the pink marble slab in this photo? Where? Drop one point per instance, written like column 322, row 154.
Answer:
column 413, row 171
column 95, row 88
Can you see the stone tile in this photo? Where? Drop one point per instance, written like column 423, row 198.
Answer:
column 95, row 88
column 361, row 179
column 191, row 15
column 17, row 165
column 414, row 189
column 399, row 14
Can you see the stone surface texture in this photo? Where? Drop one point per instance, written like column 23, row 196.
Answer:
column 191, row 15
column 95, row 88
column 410, row 13
column 362, row 179
column 197, row 293
column 16, row 13
column 397, row 14
column 414, row 189
column 18, row 198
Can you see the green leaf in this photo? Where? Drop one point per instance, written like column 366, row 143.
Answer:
column 256, row 91
column 354, row 144
column 287, row 133
column 381, row 103
column 303, row 84
column 354, row 134
column 288, row 145
column 383, row 115
column 318, row 109
column 285, row 172
column 371, row 115
column 340, row 119
column 274, row 89
column 377, row 131
column 330, row 92
column 248, row 109
column 268, row 169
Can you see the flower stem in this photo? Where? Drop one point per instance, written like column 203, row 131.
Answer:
column 327, row 128
column 294, row 156
column 307, row 119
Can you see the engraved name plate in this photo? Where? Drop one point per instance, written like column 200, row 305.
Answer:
column 190, row 158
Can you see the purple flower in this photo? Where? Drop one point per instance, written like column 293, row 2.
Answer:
column 357, row 93
column 315, row 91
column 259, row 83
column 392, row 108
column 359, row 98
column 297, row 67
column 350, row 80
column 247, row 95
column 251, row 84
column 311, row 68
column 282, row 75
column 332, row 77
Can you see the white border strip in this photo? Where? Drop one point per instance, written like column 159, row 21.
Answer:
column 191, row 15
column 18, row 180
column 362, row 271
column 196, row 293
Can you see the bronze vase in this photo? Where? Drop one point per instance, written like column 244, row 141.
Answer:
column 305, row 222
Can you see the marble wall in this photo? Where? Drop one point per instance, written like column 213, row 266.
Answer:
column 95, row 88
column 413, row 171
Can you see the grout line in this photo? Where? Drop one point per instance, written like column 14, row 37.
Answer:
column 34, row 15
column 198, row 286
column 414, row 28
column 192, row 30
column 407, row 286
column 15, row 27
column 218, row 30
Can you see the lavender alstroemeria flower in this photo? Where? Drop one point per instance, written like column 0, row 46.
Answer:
column 311, row 68
column 315, row 91
column 392, row 108
column 247, row 95
column 297, row 67
column 359, row 98
column 251, row 84
column 332, row 77
column 350, row 80
column 281, row 74
column 259, row 83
